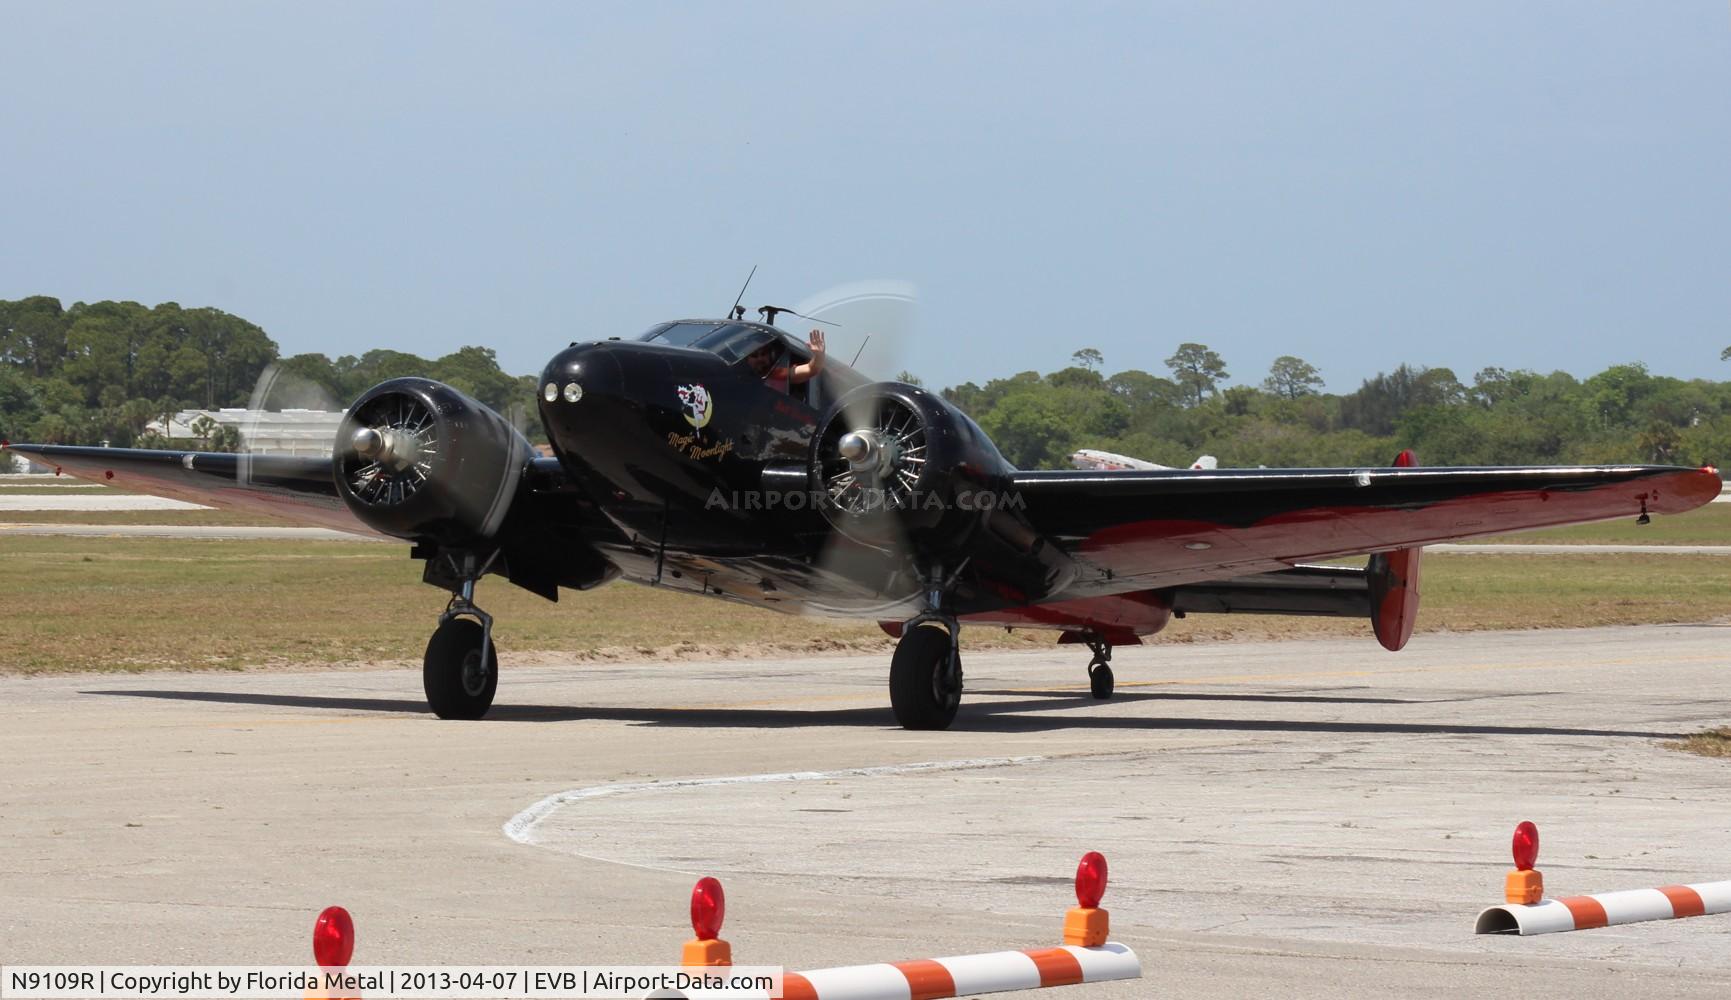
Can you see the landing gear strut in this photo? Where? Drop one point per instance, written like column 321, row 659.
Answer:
column 926, row 671
column 460, row 670
column 1100, row 667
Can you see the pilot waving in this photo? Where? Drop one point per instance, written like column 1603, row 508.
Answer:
column 770, row 363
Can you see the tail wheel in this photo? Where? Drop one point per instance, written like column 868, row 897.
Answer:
column 459, row 681
column 924, row 689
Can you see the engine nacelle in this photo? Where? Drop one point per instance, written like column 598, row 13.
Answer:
column 903, row 471
column 417, row 459
column 894, row 460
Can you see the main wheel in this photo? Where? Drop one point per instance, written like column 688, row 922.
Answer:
column 459, row 685
column 1100, row 680
column 924, row 691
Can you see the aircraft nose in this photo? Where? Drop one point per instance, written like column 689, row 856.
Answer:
column 581, row 370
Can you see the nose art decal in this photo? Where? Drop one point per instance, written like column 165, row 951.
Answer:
column 696, row 405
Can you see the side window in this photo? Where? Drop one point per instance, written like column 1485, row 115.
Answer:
column 768, row 356
column 768, row 361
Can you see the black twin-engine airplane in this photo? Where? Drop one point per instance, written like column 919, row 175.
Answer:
column 677, row 464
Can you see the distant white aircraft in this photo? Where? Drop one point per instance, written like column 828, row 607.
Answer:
column 1089, row 458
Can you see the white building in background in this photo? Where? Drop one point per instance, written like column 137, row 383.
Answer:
column 265, row 432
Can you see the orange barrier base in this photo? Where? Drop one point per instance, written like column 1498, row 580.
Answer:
column 1524, row 886
column 713, row 951
column 1086, row 927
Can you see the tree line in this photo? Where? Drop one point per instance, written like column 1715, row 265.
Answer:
column 1501, row 417
column 94, row 372
column 102, row 371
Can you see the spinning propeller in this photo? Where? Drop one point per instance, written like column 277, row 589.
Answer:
column 869, row 456
column 288, row 414
column 409, row 455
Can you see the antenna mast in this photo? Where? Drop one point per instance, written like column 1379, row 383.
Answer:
column 736, row 312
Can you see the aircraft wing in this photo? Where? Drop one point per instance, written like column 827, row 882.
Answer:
column 298, row 489
column 1169, row 527
column 294, row 488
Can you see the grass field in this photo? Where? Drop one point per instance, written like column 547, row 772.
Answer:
column 1712, row 743
column 132, row 603
column 109, row 604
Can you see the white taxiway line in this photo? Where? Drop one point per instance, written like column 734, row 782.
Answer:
column 83, row 502
column 57, row 486
column 521, row 827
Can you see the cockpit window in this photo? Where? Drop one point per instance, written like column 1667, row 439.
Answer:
column 728, row 341
column 680, row 334
column 765, row 352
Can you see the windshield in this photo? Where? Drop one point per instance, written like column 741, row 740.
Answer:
column 728, row 341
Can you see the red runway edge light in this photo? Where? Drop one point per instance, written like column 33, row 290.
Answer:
column 708, row 909
column 334, row 938
column 333, row 946
column 1086, row 925
column 1525, row 885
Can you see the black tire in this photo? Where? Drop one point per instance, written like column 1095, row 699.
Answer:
column 920, row 685
column 456, row 687
column 1100, row 680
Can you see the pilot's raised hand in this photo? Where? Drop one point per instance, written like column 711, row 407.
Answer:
column 817, row 352
column 803, row 372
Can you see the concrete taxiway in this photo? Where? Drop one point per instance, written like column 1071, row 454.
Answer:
column 1300, row 819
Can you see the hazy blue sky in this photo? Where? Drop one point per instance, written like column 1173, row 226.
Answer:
column 1360, row 184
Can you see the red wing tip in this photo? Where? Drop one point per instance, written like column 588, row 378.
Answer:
column 1690, row 488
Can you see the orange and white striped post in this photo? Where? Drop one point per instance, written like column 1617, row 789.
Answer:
column 1085, row 957
column 1527, row 912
